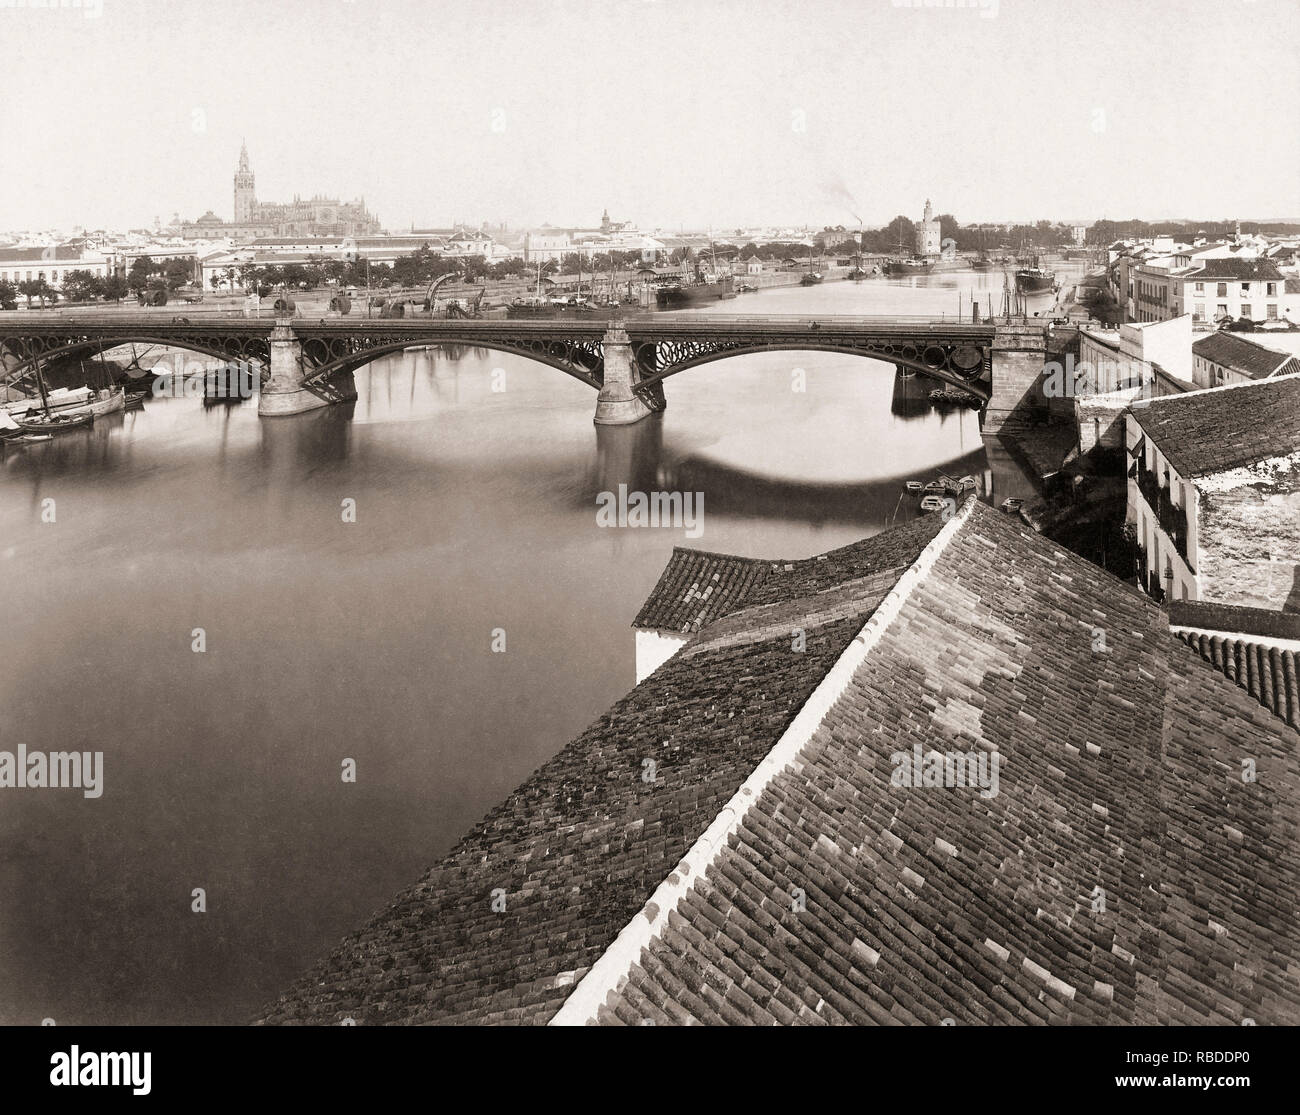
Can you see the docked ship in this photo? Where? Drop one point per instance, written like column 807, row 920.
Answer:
column 705, row 287
column 1034, row 279
column 908, row 267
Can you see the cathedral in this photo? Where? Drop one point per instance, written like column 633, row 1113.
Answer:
column 319, row 216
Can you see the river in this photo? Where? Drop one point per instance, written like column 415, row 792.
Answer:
column 475, row 476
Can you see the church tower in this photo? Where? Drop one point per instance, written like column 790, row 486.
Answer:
column 245, row 198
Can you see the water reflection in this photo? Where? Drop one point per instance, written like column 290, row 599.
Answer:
column 474, row 476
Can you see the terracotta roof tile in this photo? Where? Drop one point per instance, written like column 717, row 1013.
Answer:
column 1202, row 432
column 1120, row 772
column 841, row 898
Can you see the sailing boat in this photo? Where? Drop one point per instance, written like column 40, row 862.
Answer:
column 810, row 277
column 906, row 265
column 108, row 399
column 49, row 423
column 537, row 306
column 982, row 262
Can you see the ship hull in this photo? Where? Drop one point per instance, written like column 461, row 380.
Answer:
column 694, row 294
column 897, row 270
column 1033, row 284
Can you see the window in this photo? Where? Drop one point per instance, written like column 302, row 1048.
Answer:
column 1245, row 309
column 1221, row 309
column 1270, row 289
column 1199, row 311
column 1245, row 290
column 1222, row 292
column 1271, row 311
column 1199, row 288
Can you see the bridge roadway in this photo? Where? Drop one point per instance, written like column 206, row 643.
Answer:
column 310, row 362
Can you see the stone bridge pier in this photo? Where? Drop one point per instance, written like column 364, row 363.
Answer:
column 285, row 391
column 1018, row 354
column 617, row 404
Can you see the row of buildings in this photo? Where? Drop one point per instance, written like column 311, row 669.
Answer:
column 1208, row 416
column 1250, row 277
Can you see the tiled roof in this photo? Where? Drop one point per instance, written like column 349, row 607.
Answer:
column 1202, row 432
column 1124, row 873
column 1232, row 350
column 1242, row 270
column 1267, row 673
column 1234, row 618
column 578, row 847
column 841, row 897
column 697, row 587
column 57, row 253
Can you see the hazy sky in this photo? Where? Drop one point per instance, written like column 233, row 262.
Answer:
column 669, row 112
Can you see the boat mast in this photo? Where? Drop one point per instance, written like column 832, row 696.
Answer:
column 40, row 383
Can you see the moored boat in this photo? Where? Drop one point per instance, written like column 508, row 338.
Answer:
column 56, row 423
column 60, row 399
column 109, row 401
column 8, row 427
column 914, row 487
column 705, row 288
column 908, row 267
column 933, row 503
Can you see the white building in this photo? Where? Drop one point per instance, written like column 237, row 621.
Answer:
column 1118, row 366
column 1214, row 493
column 51, row 263
column 1221, row 358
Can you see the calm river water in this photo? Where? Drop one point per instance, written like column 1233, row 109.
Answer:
column 371, row 641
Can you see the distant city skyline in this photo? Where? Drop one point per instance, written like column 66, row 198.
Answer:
column 711, row 114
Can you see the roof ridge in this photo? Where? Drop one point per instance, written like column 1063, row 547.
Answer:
column 611, row 968
column 1142, row 404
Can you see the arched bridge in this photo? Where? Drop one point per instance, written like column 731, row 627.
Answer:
column 310, row 363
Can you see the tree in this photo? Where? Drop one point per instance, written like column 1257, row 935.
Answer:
column 899, row 231
column 115, row 287
column 35, row 288
column 82, row 286
column 216, row 281
column 177, row 272
column 8, row 295
column 138, row 277
column 293, row 275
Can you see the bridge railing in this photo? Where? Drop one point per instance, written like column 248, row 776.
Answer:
column 825, row 320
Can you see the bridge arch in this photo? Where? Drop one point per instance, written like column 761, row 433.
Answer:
column 30, row 351
column 910, row 356
column 583, row 362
